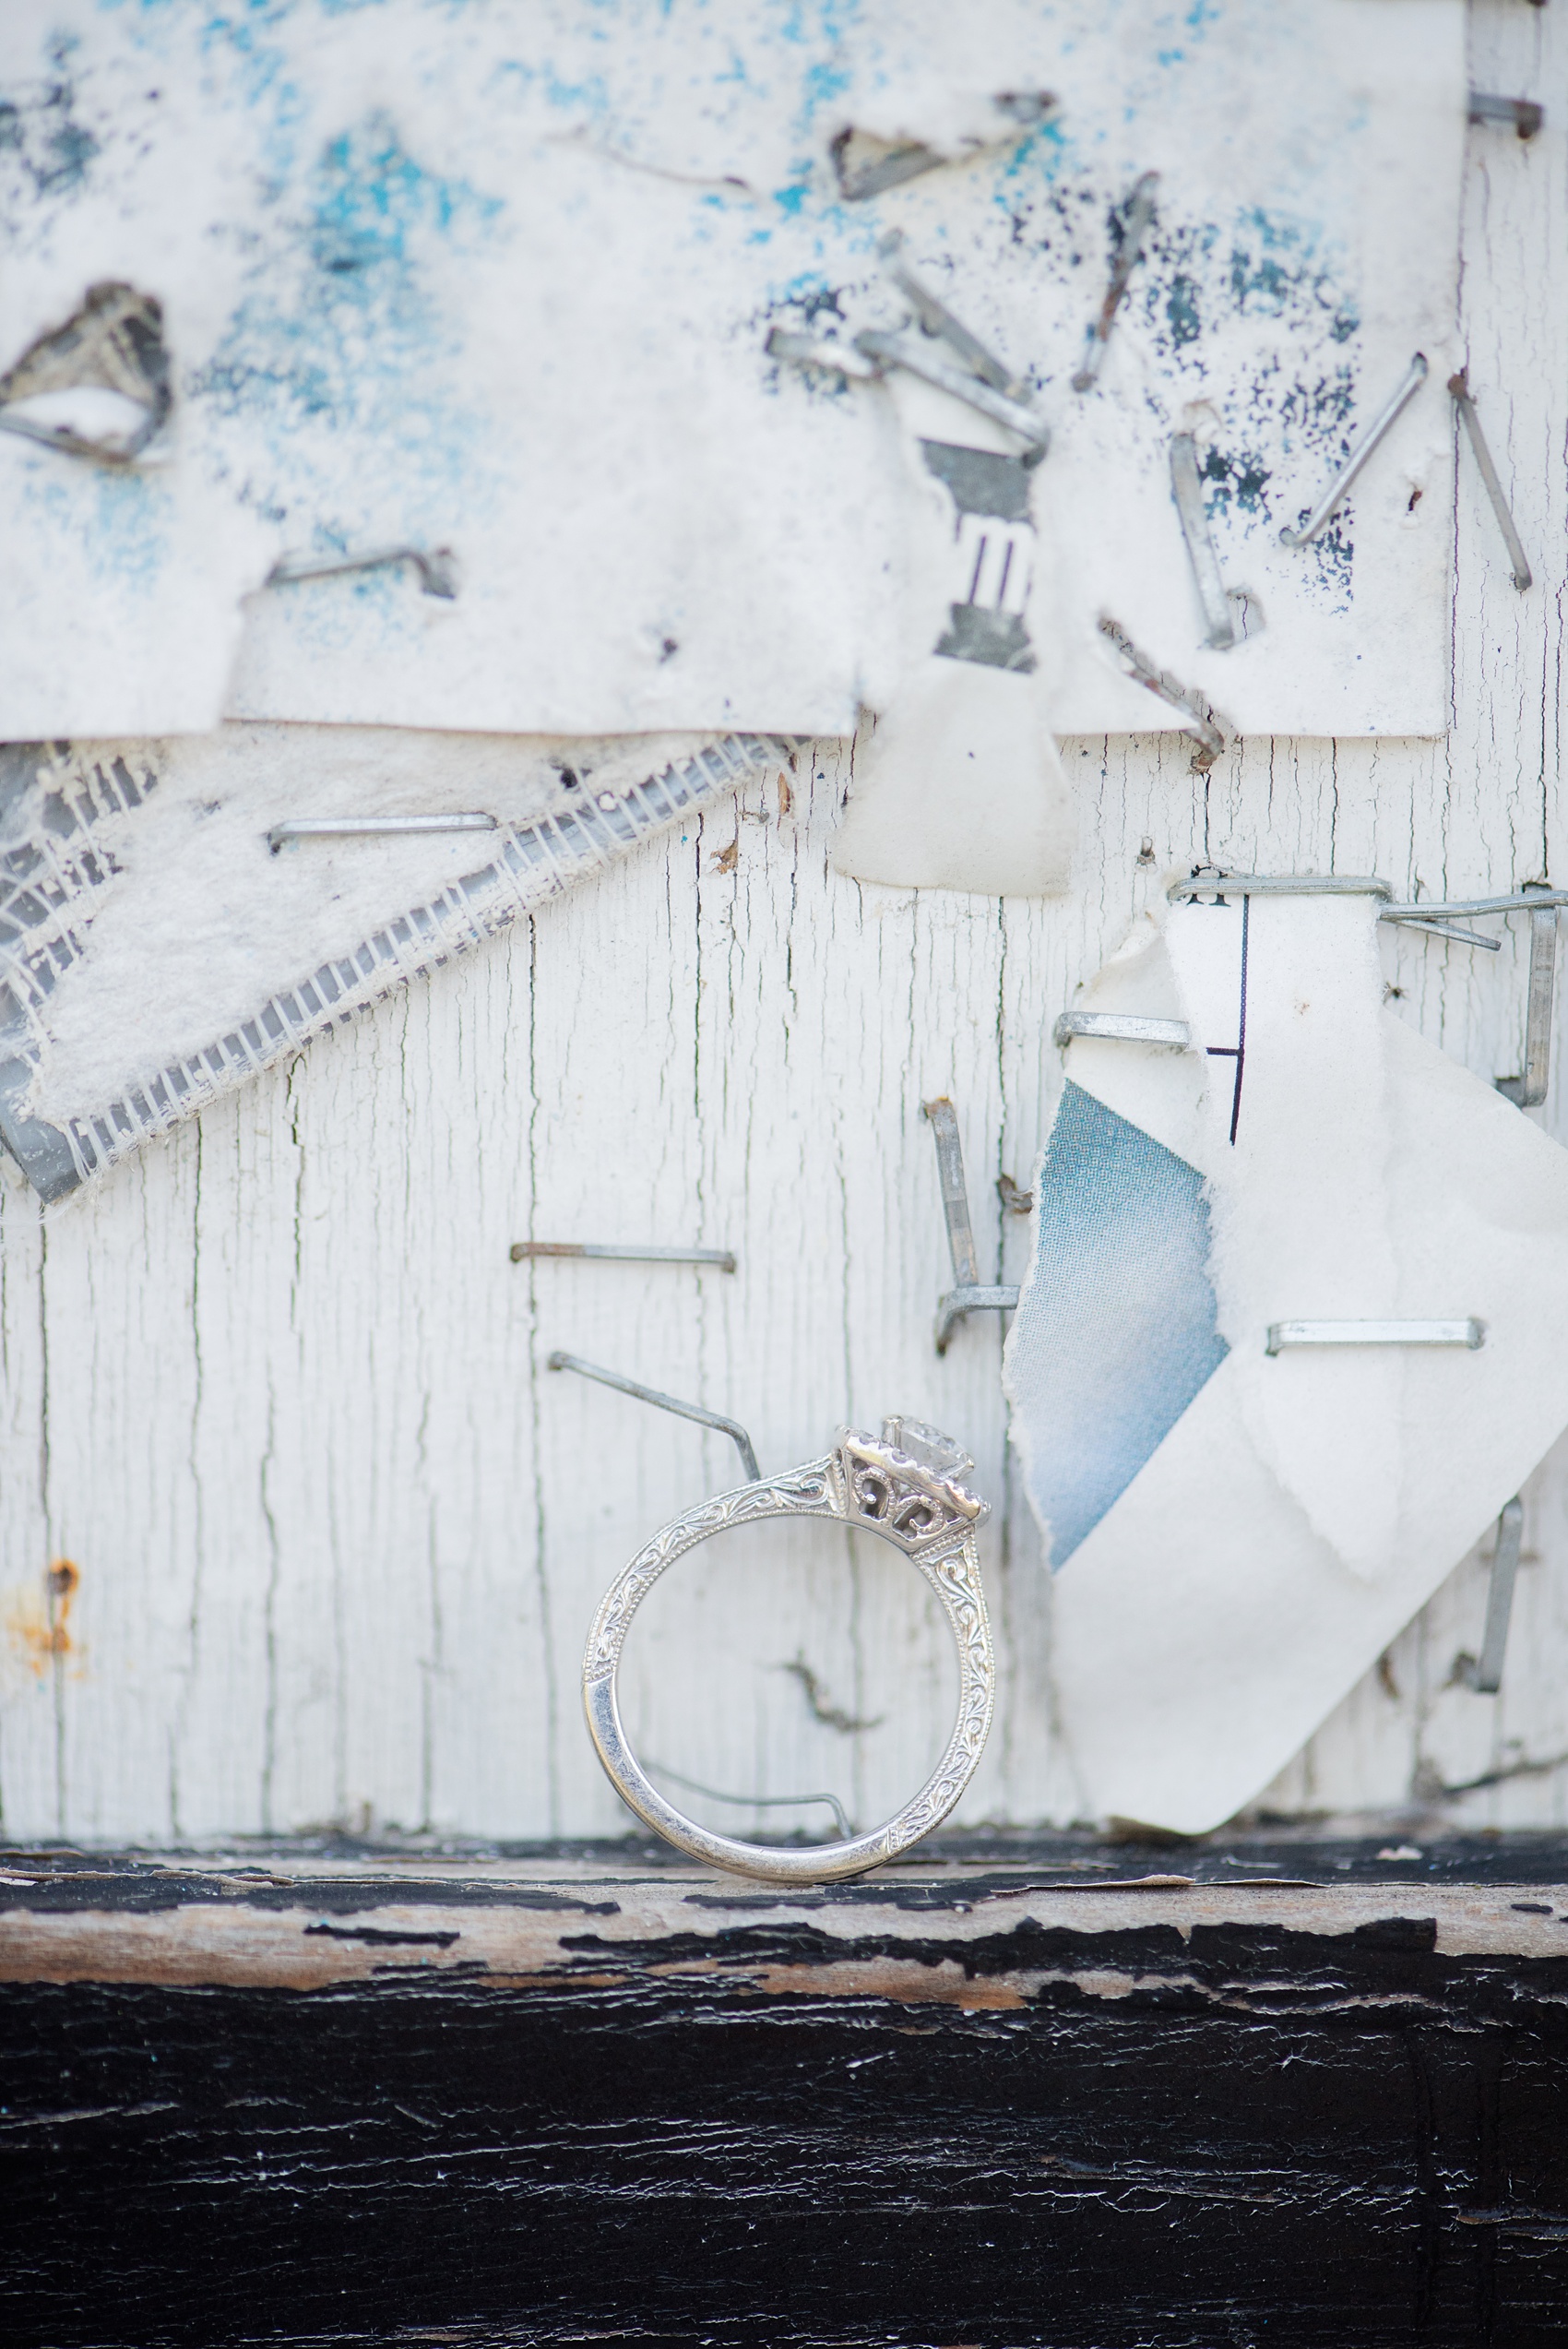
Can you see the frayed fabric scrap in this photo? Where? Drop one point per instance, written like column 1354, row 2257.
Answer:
column 155, row 953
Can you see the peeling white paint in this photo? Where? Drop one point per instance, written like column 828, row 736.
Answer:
column 278, row 1392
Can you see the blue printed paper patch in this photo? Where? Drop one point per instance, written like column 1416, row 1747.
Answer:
column 1118, row 1331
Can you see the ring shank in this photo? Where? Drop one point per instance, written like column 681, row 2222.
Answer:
column 950, row 1563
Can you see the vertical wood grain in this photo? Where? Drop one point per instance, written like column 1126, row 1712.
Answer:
column 278, row 1395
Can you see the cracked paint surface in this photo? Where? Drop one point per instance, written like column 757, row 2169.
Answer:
column 279, row 1395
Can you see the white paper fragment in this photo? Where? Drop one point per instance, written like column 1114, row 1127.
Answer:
column 500, row 280
column 960, row 787
column 1236, row 1537
column 156, row 950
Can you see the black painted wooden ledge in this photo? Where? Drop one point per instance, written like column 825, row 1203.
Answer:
column 1054, row 2093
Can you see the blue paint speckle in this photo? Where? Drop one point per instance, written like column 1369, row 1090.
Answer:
column 121, row 521
column 1182, row 311
column 343, row 327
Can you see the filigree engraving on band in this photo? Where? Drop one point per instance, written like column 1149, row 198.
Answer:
column 956, row 1581
column 806, row 1491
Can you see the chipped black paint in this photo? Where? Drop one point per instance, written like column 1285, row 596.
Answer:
column 144, row 1886
column 67, row 1877
column 1150, row 2139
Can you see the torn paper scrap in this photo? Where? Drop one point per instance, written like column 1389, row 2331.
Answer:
column 1303, row 248
column 1306, row 163
column 1122, row 1250
column 1235, row 1535
column 429, row 281
column 501, row 281
column 960, row 785
column 160, row 942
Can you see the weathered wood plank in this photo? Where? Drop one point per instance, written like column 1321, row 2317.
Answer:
column 278, row 1395
column 532, row 2102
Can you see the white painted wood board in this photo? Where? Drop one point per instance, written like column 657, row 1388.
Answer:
column 277, row 1392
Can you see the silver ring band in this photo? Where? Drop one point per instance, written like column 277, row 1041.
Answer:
column 904, row 1486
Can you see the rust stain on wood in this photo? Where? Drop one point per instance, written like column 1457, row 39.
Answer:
column 38, row 1621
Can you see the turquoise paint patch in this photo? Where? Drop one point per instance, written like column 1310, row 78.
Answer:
column 343, row 328
column 119, row 520
column 1278, row 262
column 40, row 128
column 1041, row 153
